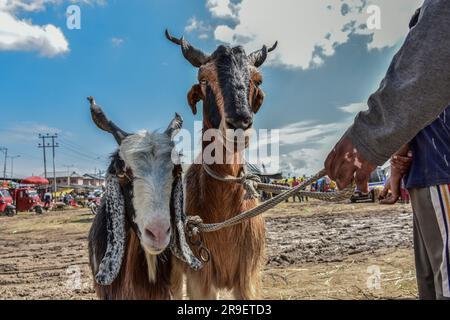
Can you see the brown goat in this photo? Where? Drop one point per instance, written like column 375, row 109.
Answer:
column 229, row 89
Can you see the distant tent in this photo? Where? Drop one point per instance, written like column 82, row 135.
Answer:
column 35, row 180
column 253, row 168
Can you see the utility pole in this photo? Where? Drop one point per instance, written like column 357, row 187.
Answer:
column 53, row 153
column 68, row 173
column 12, row 165
column 43, row 146
column 53, row 145
column 5, row 151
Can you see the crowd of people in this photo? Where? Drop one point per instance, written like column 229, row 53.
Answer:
column 322, row 185
column 71, row 198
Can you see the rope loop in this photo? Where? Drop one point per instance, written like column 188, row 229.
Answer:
column 250, row 183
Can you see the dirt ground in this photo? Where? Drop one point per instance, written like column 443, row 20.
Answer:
column 314, row 251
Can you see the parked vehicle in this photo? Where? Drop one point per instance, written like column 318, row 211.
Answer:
column 377, row 181
column 6, row 203
column 27, row 199
column 93, row 204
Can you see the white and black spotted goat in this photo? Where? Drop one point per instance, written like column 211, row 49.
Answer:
column 140, row 222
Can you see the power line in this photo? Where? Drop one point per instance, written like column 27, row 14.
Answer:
column 80, row 155
column 12, row 164
column 79, row 147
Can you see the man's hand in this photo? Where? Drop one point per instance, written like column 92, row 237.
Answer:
column 392, row 185
column 345, row 164
column 387, row 187
column 400, row 164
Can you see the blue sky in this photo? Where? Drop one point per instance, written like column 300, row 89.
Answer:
column 321, row 75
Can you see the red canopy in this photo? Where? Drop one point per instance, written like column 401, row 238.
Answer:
column 35, row 180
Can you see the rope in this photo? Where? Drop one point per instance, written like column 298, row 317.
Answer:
column 195, row 224
column 249, row 181
column 252, row 183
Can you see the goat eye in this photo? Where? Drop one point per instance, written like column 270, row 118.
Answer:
column 203, row 82
column 257, row 83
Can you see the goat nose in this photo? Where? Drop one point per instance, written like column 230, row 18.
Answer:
column 243, row 123
column 158, row 233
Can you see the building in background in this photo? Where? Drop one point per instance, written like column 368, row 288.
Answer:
column 78, row 182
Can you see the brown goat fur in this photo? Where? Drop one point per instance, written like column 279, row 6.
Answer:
column 237, row 252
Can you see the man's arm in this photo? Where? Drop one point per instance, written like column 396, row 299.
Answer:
column 415, row 90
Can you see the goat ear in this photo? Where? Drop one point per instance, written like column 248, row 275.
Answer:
column 258, row 100
column 114, row 205
column 194, row 96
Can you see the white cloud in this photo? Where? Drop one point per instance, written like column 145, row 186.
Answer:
column 304, row 145
column 221, row 8
column 194, row 25
column 24, row 5
column 354, row 107
column 23, row 35
column 310, row 30
column 117, row 42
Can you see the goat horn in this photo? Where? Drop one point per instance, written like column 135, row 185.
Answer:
column 257, row 58
column 174, row 126
column 100, row 119
column 195, row 56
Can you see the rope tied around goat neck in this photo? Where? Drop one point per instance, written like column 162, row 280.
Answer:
column 195, row 225
column 249, row 181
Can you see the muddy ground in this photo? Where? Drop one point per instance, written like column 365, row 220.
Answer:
column 314, row 251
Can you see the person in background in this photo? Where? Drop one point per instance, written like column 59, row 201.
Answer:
column 295, row 183
column 332, row 186
column 302, row 180
column 47, row 199
column 286, row 184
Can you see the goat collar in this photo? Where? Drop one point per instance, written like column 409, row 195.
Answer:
column 225, row 178
column 248, row 180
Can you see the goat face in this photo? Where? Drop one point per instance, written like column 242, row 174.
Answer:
column 144, row 167
column 147, row 157
column 228, row 84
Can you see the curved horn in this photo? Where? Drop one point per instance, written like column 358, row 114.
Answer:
column 114, row 204
column 195, row 56
column 100, row 119
column 258, row 57
column 174, row 126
